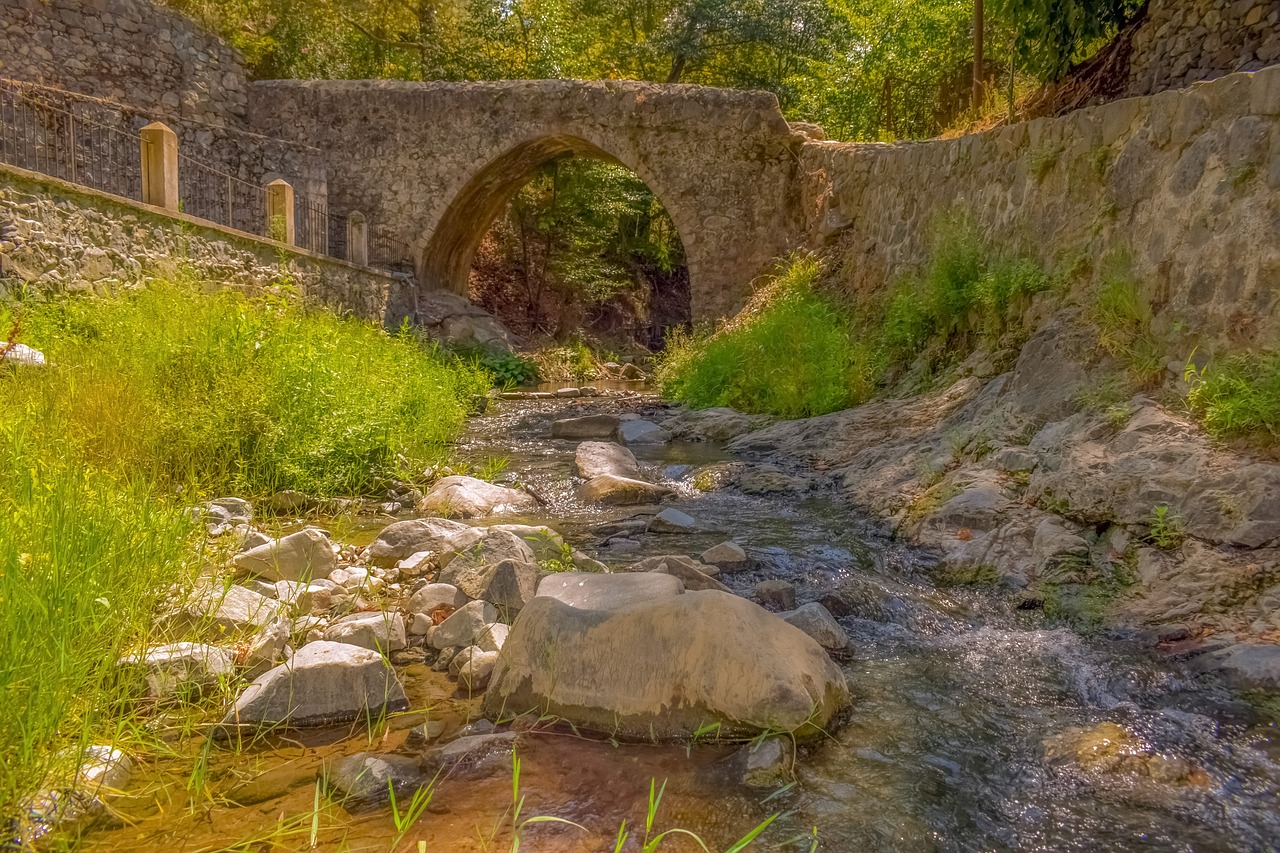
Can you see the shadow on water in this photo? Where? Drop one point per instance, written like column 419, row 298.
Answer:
column 957, row 697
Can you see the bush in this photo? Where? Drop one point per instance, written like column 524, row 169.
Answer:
column 791, row 354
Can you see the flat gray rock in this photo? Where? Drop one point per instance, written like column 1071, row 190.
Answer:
column 594, row 458
column 586, row 427
column 322, row 684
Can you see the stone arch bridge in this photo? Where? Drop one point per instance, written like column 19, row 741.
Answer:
column 436, row 163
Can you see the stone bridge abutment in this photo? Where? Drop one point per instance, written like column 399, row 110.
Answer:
column 437, row 162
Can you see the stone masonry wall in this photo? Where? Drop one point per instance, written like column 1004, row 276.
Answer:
column 1186, row 41
column 132, row 51
column 1186, row 184
column 56, row 238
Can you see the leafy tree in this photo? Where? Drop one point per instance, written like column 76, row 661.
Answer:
column 1053, row 34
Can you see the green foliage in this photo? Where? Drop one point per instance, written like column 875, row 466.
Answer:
column 1053, row 34
column 243, row 395
column 1165, row 529
column 1124, row 318
column 1041, row 160
column 1238, row 396
column 508, row 369
column 791, row 355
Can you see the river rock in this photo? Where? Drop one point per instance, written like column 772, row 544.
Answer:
column 323, row 683
column 665, row 666
column 594, row 458
column 435, row 595
column 474, row 756
column 365, row 780
column 305, row 555
column 692, row 574
column 507, row 585
column 622, row 491
column 768, row 480
column 638, row 432
column 404, row 538
column 229, row 511
column 606, row 592
column 21, row 355
column 817, row 622
column 464, row 626
column 267, row 648
column 468, row 497
column 216, row 610
column 586, row 427
column 478, row 547
column 765, row 764
column 777, row 593
column 719, row 424
column 672, row 520
column 181, row 669
column 492, row 637
column 1244, row 666
column 728, row 557
column 379, row 631
column 103, row 770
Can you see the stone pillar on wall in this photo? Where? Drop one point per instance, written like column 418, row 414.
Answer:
column 357, row 239
column 280, row 212
column 159, row 166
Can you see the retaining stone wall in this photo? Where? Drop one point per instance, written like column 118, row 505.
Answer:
column 1186, row 183
column 1186, row 41
column 132, row 51
column 56, row 238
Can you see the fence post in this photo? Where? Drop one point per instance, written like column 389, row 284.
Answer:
column 280, row 212
column 160, row 166
column 358, row 239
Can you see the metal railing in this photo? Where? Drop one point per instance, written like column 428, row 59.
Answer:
column 42, row 136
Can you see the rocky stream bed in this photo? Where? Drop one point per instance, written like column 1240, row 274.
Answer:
column 926, row 717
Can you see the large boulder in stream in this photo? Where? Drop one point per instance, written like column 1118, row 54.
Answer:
column 468, row 497
column 323, row 683
column 649, row 660
column 622, row 491
column 594, row 458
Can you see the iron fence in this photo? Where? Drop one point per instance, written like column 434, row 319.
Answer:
column 41, row 135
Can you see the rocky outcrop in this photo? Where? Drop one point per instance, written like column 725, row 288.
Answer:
column 664, row 665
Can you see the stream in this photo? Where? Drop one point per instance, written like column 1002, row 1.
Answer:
column 958, row 697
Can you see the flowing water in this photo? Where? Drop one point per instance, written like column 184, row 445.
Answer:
column 957, row 699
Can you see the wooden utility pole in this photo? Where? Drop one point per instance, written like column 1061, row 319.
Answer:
column 977, row 56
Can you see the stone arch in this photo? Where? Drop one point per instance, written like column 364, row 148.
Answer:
column 446, row 251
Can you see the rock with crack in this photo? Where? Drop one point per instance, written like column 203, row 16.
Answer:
column 817, row 622
column 692, row 574
column 595, row 458
column 708, row 657
column 507, row 584
column 604, row 427
column 622, row 491
column 403, row 539
column 305, row 555
column 322, row 684
column 469, row 497
column 379, row 631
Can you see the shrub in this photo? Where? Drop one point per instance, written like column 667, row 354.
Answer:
column 1239, row 396
column 790, row 354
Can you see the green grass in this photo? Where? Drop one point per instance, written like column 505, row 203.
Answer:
column 792, row 354
column 1239, row 396
column 1124, row 317
column 154, row 399
column 795, row 352
column 240, row 395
